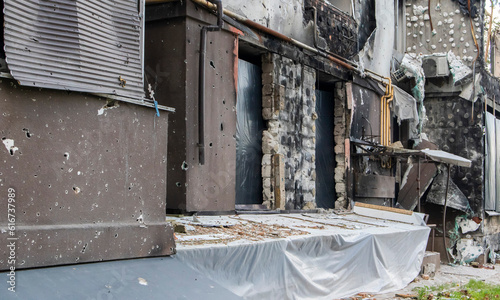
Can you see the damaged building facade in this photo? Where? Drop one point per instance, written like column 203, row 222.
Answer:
column 279, row 105
column 321, row 104
column 84, row 151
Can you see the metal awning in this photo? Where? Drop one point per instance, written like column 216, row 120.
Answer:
column 432, row 155
column 445, row 157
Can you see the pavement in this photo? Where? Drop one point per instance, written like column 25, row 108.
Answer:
column 456, row 274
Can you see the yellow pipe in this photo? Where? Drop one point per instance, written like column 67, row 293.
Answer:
column 385, row 114
column 382, row 116
column 388, row 114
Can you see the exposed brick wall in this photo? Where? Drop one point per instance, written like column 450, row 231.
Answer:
column 288, row 102
column 341, row 118
column 288, row 108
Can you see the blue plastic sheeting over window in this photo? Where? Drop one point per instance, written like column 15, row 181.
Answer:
column 325, row 155
column 249, row 129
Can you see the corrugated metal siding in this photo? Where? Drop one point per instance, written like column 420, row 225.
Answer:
column 82, row 45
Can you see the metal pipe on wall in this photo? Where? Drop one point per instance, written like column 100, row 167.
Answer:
column 276, row 34
column 201, row 80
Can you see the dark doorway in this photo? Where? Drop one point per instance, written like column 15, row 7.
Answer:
column 325, row 155
column 249, row 127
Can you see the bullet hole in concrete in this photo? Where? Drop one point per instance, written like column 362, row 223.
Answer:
column 212, row 64
column 189, row 41
column 50, row 186
column 37, row 214
column 116, row 235
column 211, row 144
column 223, row 101
column 66, row 155
column 211, row 42
column 184, row 166
column 27, row 131
column 221, row 127
column 178, row 184
column 76, row 189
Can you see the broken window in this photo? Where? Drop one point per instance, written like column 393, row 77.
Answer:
column 81, row 45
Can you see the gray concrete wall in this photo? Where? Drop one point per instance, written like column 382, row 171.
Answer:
column 89, row 178
column 172, row 58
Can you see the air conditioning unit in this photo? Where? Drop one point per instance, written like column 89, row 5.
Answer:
column 435, row 66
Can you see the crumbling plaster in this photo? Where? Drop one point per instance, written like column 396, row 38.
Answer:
column 377, row 54
column 451, row 29
column 284, row 16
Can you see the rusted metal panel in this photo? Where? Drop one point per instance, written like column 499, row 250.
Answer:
column 374, row 186
column 84, row 45
column 89, row 178
column 409, row 194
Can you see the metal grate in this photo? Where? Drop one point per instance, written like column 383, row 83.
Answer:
column 399, row 75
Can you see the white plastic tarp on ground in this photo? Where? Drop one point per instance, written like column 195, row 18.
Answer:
column 375, row 256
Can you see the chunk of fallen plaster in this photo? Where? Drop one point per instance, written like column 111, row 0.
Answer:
column 9, row 144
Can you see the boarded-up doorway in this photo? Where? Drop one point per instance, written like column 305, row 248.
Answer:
column 249, row 129
column 325, row 155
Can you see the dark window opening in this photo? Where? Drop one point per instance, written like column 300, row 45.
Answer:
column 325, row 154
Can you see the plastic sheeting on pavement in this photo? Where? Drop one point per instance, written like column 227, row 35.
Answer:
column 249, row 128
column 342, row 255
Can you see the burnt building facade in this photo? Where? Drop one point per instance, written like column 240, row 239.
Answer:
column 279, row 105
